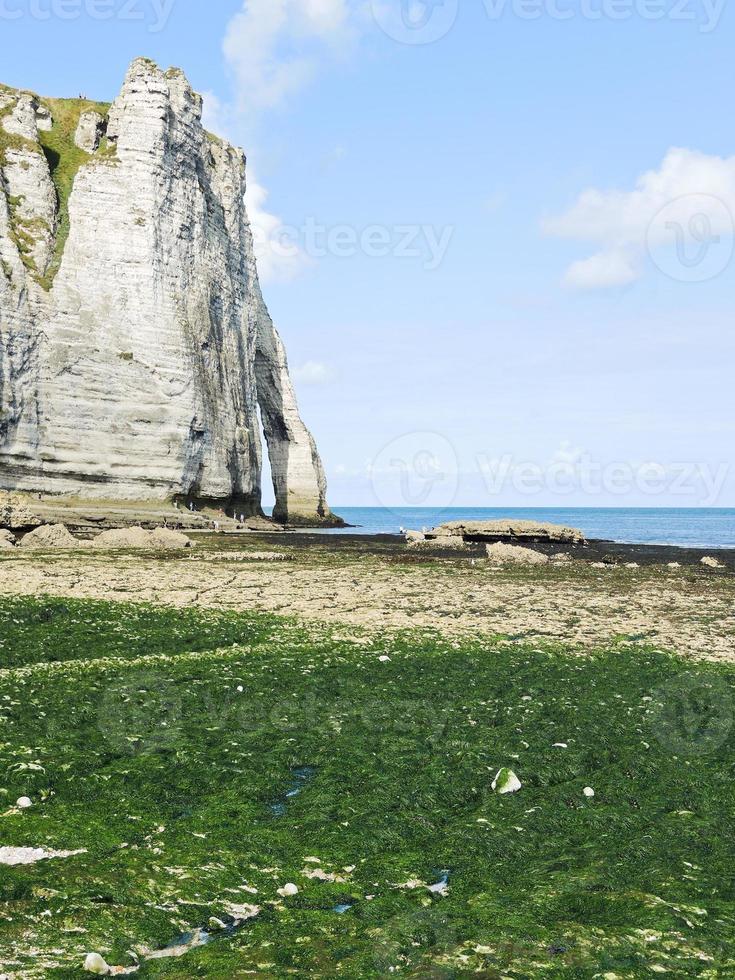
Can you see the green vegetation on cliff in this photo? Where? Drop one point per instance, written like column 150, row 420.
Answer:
column 65, row 159
column 21, row 232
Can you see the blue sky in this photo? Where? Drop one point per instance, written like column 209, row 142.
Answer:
column 500, row 257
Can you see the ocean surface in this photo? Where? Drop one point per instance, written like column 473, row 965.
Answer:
column 685, row 527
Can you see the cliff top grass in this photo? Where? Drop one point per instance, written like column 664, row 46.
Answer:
column 206, row 759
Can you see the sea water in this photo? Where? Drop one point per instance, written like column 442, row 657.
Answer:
column 685, row 527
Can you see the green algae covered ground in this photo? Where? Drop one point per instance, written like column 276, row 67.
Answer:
column 205, row 760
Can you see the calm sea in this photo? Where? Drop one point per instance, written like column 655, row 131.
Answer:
column 686, row 527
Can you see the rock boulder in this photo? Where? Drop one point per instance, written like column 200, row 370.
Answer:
column 509, row 554
column 49, row 537
column 90, row 130
column 508, row 531
column 7, row 540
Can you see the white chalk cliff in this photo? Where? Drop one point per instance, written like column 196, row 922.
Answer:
column 135, row 346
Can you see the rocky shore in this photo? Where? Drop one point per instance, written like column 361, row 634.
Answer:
column 604, row 593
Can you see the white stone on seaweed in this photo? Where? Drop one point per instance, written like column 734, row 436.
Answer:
column 241, row 913
column 288, row 890
column 24, row 803
column 319, row 874
column 506, row 781
column 94, row 963
column 13, row 856
column 588, row 792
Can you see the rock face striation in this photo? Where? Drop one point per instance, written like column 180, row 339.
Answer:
column 136, row 351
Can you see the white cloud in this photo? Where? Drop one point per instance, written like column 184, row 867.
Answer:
column 272, row 47
column 313, row 373
column 602, row 270
column 215, row 114
column 277, row 253
column 691, row 195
